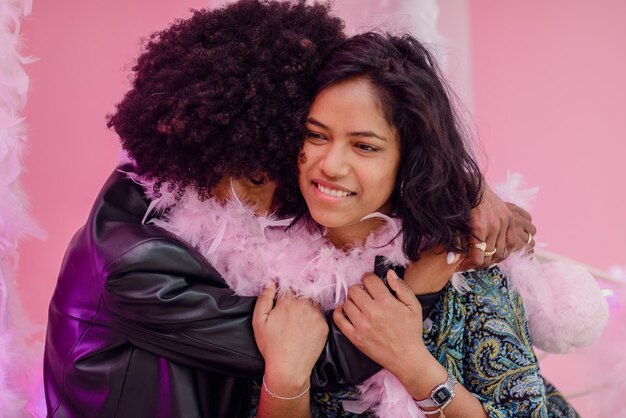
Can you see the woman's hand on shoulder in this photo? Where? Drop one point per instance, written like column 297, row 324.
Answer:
column 387, row 329
column 497, row 226
column 291, row 336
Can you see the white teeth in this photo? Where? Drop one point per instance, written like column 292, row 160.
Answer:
column 332, row 192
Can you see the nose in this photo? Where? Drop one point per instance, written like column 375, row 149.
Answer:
column 334, row 163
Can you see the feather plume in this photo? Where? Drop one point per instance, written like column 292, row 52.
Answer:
column 21, row 393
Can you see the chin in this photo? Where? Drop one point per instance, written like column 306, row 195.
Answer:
column 324, row 220
column 331, row 221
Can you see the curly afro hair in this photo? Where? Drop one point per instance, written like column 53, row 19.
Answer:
column 225, row 92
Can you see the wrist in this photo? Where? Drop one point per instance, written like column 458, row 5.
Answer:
column 440, row 397
column 285, row 383
column 423, row 376
column 289, row 397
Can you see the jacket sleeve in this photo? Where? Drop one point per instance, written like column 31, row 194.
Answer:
column 168, row 300
column 165, row 301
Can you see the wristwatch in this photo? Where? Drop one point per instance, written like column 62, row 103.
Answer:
column 441, row 394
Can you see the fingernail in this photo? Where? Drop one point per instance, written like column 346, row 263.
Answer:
column 453, row 257
column 270, row 284
column 392, row 274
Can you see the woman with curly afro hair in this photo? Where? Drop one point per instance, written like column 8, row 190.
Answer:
column 224, row 94
column 140, row 324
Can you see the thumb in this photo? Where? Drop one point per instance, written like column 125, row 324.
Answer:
column 264, row 303
column 403, row 292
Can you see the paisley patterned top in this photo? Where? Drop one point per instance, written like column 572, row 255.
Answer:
column 481, row 337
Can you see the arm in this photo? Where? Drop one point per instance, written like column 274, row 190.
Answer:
column 291, row 336
column 166, row 298
column 168, row 301
column 384, row 328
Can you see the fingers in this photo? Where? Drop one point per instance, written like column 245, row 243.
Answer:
column 475, row 256
column 343, row 323
column 521, row 234
column 352, row 312
column 403, row 292
column 500, row 246
column 520, row 211
column 264, row 303
column 495, row 239
column 529, row 227
column 375, row 287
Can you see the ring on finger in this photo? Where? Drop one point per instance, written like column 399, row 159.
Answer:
column 490, row 253
column 482, row 246
column 530, row 238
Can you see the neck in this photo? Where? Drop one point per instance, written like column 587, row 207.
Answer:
column 352, row 235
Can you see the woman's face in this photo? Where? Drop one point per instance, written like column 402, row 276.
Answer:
column 351, row 157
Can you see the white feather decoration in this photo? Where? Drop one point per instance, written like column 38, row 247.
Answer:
column 20, row 363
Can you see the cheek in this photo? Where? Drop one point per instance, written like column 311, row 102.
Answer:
column 306, row 161
column 302, row 157
column 385, row 182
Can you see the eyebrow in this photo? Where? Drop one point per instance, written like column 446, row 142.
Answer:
column 358, row 133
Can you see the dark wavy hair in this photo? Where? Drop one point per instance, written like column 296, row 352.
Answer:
column 225, row 92
column 438, row 181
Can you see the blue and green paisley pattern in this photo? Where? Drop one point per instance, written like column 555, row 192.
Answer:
column 481, row 337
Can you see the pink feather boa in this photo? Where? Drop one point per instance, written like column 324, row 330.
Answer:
column 250, row 250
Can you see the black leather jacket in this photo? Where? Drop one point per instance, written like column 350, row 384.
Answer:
column 140, row 325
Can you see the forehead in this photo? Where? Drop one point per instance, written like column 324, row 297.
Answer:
column 352, row 103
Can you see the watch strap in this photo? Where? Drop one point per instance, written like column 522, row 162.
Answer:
column 440, row 395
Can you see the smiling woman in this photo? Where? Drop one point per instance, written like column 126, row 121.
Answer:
column 384, row 152
column 350, row 159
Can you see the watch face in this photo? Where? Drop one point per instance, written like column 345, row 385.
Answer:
column 442, row 395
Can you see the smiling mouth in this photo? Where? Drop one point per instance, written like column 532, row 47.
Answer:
column 332, row 192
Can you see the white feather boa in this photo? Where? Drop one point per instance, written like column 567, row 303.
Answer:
column 250, row 250
column 21, row 394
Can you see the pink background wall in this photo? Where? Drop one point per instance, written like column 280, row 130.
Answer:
column 547, row 81
column 549, row 101
column 86, row 50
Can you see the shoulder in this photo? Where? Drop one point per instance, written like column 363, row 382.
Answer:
column 492, row 306
column 490, row 280
column 121, row 241
column 489, row 288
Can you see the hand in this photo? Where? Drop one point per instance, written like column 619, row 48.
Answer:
column 389, row 331
column 290, row 336
column 386, row 329
column 502, row 226
column 521, row 231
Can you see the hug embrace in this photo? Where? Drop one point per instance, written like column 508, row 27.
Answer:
column 227, row 268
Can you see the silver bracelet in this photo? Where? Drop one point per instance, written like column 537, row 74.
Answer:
column 282, row 398
column 438, row 410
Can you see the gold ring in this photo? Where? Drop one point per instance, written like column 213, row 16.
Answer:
column 530, row 238
column 482, row 246
column 490, row 253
